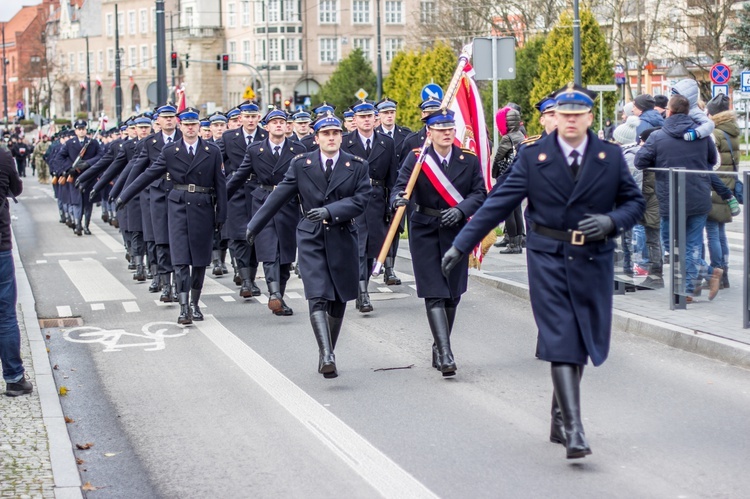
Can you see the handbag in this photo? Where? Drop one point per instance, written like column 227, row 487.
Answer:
column 507, row 161
column 739, row 186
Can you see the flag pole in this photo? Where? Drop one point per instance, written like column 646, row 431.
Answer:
column 450, row 93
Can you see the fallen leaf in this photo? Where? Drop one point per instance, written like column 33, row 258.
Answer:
column 72, row 368
column 63, row 390
column 110, row 454
column 48, row 336
column 85, row 446
column 55, row 367
column 88, row 487
column 69, row 420
column 79, row 460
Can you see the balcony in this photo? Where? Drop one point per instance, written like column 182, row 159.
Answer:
column 186, row 32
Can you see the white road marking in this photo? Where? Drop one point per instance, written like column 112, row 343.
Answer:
column 212, row 287
column 41, row 261
column 70, row 253
column 228, row 298
column 97, row 306
column 112, row 258
column 165, row 304
column 384, row 475
column 262, row 299
column 413, row 286
column 293, row 294
column 385, row 289
column 94, row 282
column 64, row 311
column 130, row 306
column 107, row 240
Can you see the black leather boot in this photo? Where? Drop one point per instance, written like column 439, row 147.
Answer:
column 166, row 288
column 514, row 246
column 438, row 320
column 326, row 360
column 557, row 427
column 274, row 297
column 105, row 217
column 236, row 268
column 284, row 310
column 334, row 326
column 140, row 270
column 155, row 281
column 223, row 262
column 62, row 217
column 246, row 288
column 174, row 288
column 195, row 309
column 567, row 383
column 502, row 243
column 255, row 289
column 149, row 270
column 216, row 264
column 78, row 230
column 185, row 316
column 365, row 305
column 389, row 276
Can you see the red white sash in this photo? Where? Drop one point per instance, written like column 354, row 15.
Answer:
column 440, row 182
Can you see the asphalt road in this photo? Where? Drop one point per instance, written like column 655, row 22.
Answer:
column 234, row 407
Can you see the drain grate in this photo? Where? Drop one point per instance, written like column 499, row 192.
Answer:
column 61, row 322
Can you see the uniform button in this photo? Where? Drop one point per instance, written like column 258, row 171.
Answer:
column 188, row 202
column 570, row 258
column 591, row 259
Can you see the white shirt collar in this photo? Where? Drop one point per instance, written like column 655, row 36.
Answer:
column 364, row 140
column 168, row 136
column 274, row 146
column 188, row 146
column 441, row 158
column 252, row 137
column 323, row 159
column 567, row 148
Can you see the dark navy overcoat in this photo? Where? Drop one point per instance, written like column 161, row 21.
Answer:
column 570, row 285
column 67, row 156
column 328, row 252
column 137, row 210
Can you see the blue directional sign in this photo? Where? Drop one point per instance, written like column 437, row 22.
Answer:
column 745, row 81
column 432, row 91
column 719, row 89
column 720, row 73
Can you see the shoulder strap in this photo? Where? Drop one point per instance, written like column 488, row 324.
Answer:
column 731, row 151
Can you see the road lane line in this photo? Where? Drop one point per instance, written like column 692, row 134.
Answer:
column 41, row 261
column 130, row 306
column 94, row 282
column 384, row 475
column 64, row 311
column 293, row 294
column 107, row 240
column 228, row 298
column 212, row 287
column 97, row 306
column 70, row 253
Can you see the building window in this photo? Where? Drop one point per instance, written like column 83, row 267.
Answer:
column 153, row 55
column 133, row 61
column 273, row 49
column 131, row 22
column 360, row 11
column 392, row 46
column 427, row 11
column 364, row 44
column 81, row 63
column 143, row 20
column 328, row 12
column 231, row 15
column 135, row 99
column 290, row 12
column 144, row 56
column 260, row 12
column 110, row 23
column 189, row 17
column 110, row 59
column 232, row 51
column 100, row 64
column 245, row 13
column 260, row 50
column 291, row 50
column 72, row 62
column 394, row 12
column 121, row 23
column 329, row 50
column 273, row 11
column 99, row 99
column 246, row 51
column 153, row 19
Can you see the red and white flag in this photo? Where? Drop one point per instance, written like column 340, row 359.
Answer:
column 179, row 94
column 471, row 129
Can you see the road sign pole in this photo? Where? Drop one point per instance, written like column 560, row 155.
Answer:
column 601, row 111
column 495, row 103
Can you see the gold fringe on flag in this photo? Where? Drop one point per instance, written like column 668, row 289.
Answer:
column 485, row 245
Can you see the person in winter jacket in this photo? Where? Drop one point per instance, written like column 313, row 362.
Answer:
column 651, row 223
column 625, row 135
column 703, row 126
column 727, row 138
column 666, row 148
column 506, row 152
column 643, row 107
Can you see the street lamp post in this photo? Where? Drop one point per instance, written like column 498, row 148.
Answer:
column 5, row 81
column 88, row 78
column 161, row 63
column 118, row 84
column 380, row 57
column 576, row 44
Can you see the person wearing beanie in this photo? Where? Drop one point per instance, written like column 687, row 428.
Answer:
column 651, row 222
column 703, row 126
column 727, row 137
column 627, row 110
column 644, row 109
column 625, row 134
column 660, row 104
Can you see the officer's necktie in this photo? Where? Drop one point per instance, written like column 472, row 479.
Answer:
column 276, row 152
column 247, row 140
column 169, row 139
column 575, row 165
column 191, row 153
column 367, row 147
column 329, row 169
column 444, row 164
column 390, row 133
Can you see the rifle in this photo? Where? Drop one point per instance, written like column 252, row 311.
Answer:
column 83, row 151
column 450, row 93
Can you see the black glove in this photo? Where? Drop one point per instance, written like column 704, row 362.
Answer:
column 218, row 226
column 318, row 214
column 596, row 226
column 400, row 200
column 92, row 194
column 450, row 260
column 82, row 165
column 249, row 237
column 119, row 204
column 451, row 217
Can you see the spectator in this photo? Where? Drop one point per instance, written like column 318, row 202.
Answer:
column 20, row 152
column 651, row 224
column 727, row 138
column 504, row 156
column 703, row 126
column 625, row 135
column 609, row 128
column 660, row 104
column 667, row 148
column 10, row 335
column 644, row 109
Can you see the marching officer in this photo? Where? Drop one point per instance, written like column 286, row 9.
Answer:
column 372, row 225
column 301, row 125
column 581, row 197
column 233, row 119
column 333, row 188
column 275, row 244
column 218, row 125
column 197, row 205
column 321, row 111
column 234, row 144
column 205, row 130
column 443, row 201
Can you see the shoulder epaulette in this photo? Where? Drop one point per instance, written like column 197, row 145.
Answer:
column 530, row 140
column 416, row 150
column 357, row 158
column 469, row 151
column 298, row 156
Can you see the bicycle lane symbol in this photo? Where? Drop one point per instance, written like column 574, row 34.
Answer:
column 110, row 338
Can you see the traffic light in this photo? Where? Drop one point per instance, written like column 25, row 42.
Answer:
column 225, row 62
column 187, row 61
column 218, row 62
column 288, row 104
column 174, row 60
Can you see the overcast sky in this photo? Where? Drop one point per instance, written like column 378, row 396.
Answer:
column 8, row 8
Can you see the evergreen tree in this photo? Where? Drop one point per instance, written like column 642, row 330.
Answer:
column 556, row 62
column 740, row 38
column 353, row 72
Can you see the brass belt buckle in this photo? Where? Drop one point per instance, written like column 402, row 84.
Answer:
column 577, row 238
column 191, row 188
column 169, row 177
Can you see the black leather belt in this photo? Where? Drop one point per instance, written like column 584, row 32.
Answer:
column 377, row 182
column 574, row 237
column 268, row 188
column 429, row 211
column 192, row 188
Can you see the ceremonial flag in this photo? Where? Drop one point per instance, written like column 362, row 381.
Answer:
column 179, row 95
